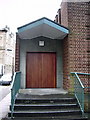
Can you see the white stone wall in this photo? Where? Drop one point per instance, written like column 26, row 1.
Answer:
column 7, row 50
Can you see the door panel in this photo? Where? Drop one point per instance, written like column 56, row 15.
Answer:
column 48, row 70
column 41, row 70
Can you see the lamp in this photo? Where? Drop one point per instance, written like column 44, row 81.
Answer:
column 41, row 43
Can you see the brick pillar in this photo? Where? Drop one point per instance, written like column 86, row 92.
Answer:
column 88, row 39
column 17, row 53
column 66, row 83
column 59, row 16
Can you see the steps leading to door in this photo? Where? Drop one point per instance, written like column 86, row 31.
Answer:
column 42, row 107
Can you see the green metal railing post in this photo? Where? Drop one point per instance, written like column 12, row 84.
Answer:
column 15, row 86
column 79, row 89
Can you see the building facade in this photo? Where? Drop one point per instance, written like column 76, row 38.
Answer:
column 76, row 54
column 7, row 48
column 70, row 51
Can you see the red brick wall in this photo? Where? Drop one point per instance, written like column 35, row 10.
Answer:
column 76, row 53
column 66, row 71
column 17, row 54
column 64, row 14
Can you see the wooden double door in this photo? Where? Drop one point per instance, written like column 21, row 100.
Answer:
column 41, row 70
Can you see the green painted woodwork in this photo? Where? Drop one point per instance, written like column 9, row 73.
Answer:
column 15, row 86
column 79, row 89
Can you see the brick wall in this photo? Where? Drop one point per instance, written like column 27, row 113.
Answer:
column 66, row 71
column 64, row 14
column 76, row 16
column 17, row 54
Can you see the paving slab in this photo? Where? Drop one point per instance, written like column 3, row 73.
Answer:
column 4, row 106
column 4, row 91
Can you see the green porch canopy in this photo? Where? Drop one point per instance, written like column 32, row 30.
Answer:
column 43, row 27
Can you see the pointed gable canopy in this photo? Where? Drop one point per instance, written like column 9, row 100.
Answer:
column 42, row 27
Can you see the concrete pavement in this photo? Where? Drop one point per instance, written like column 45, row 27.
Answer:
column 4, row 91
column 4, row 105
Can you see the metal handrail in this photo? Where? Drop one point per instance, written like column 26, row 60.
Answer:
column 15, row 86
column 79, row 89
column 79, row 80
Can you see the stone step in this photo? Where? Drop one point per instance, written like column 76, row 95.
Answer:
column 76, row 117
column 45, row 106
column 42, row 107
column 45, row 113
column 45, row 100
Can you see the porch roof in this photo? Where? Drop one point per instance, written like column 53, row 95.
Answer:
column 42, row 27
